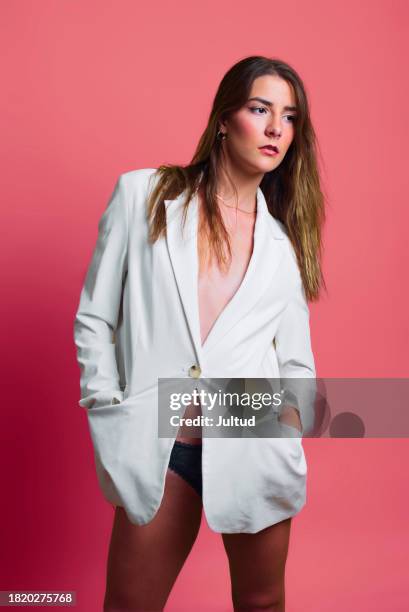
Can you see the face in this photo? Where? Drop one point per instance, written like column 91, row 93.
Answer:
column 267, row 120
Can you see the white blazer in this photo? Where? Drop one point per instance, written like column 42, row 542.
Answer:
column 138, row 320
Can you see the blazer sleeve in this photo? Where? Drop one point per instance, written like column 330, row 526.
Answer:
column 99, row 304
column 295, row 357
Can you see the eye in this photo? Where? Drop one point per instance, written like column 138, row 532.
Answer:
column 255, row 108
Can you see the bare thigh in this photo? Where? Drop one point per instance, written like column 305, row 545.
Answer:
column 257, row 567
column 145, row 560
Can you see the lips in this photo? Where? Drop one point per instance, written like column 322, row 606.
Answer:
column 271, row 148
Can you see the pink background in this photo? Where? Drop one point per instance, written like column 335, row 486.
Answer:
column 94, row 89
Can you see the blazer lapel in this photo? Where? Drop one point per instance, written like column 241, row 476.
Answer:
column 265, row 259
column 183, row 255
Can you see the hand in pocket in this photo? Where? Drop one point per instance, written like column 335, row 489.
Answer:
column 290, row 417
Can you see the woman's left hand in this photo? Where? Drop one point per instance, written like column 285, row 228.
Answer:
column 290, row 416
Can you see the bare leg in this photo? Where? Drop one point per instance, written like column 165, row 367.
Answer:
column 257, row 567
column 145, row 560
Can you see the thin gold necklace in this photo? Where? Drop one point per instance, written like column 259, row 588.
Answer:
column 236, row 207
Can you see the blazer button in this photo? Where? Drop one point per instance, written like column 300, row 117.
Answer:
column 195, row 371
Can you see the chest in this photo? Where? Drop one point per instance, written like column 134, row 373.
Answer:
column 217, row 286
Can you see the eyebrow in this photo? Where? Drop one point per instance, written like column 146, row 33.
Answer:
column 268, row 103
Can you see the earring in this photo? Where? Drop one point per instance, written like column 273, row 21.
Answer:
column 221, row 135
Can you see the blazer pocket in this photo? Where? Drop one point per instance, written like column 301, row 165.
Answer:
column 289, row 431
column 120, row 396
column 115, row 399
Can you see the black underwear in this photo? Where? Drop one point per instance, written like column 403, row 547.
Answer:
column 186, row 460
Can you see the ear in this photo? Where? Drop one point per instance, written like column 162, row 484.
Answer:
column 222, row 124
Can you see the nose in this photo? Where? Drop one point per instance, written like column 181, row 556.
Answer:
column 274, row 126
column 275, row 131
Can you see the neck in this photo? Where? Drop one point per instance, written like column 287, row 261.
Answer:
column 246, row 186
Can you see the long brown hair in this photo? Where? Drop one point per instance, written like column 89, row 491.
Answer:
column 292, row 191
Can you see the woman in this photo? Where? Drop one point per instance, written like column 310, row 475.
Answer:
column 205, row 271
